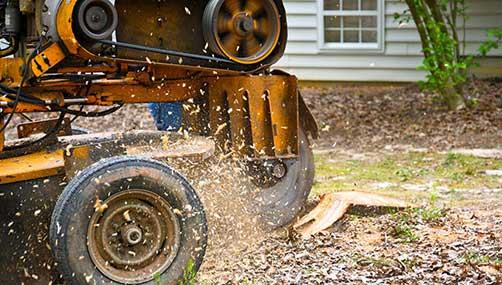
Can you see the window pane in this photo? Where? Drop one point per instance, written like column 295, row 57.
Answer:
column 332, row 22
column 369, row 21
column 369, row 5
column 369, row 36
column 331, row 4
column 350, row 5
column 332, row 36
column 351, row 22
column 350, row 36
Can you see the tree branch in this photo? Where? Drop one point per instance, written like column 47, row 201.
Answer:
column 422, row 30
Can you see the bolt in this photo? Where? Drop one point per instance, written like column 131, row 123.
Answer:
column 95, row 18
column 279, row 170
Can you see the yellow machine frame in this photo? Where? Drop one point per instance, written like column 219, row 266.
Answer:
column 259, row 114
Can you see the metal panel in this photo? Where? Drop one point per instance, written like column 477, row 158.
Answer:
column 36, row 165
column 240, row 125
column 261, row 125
column 47, row 59
column 28, row 129
column 283, row 101
column 257, row 111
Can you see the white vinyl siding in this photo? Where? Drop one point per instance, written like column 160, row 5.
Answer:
column 401, row 49
column 350, row 24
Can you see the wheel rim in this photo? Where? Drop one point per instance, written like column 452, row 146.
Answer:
column 136, row 236
column 246, row 31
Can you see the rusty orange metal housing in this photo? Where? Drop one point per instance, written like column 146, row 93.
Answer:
column 258, row 113
column 69, row 155
column 11, row 71
column 253, row 116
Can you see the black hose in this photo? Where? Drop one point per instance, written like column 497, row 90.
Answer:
column 11, row 94
column 19, row 90
column 90, row 114
column 14, row 106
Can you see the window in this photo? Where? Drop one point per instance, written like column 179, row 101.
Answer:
column 351, row 24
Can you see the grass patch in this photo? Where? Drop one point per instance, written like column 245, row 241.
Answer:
column 189, row 274
column 476, row 258
column 431, row 214
column 410, row 263
column 464, row 171
column 404, row 221
column 404, row 174
column 454, row 171
column 405, row 233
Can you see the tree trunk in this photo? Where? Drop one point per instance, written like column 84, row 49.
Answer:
column 435, row 25
column 454, row 100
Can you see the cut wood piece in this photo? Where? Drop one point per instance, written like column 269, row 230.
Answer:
column 333, row 206
column 370, row 199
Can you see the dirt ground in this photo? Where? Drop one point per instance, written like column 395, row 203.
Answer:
column 453, row 237
column 390, row 140
column 370, row 117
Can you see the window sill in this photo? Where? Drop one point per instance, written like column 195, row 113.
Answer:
column 352, row 49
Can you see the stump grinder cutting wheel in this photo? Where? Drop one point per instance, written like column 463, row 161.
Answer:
column 106, row 208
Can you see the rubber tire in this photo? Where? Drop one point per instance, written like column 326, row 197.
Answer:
column 74, row 208
column 279, row 205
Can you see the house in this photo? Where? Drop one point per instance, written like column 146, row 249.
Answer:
column 359, row 40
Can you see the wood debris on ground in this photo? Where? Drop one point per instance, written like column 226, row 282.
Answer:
column 333, row 206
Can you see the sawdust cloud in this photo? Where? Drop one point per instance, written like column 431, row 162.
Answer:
column 227, row 194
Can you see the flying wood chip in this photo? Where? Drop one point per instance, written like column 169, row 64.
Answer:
column 334, row 205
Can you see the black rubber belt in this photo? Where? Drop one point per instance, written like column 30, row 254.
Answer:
column 165, row 51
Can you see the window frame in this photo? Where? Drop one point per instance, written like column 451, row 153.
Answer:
column 377, row 47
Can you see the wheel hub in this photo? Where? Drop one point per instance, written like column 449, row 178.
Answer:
column 96, row 19
column 132, row 234
column 136, row 236
column 243, row 24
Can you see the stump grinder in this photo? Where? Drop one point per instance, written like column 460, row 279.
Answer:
column 101, row 208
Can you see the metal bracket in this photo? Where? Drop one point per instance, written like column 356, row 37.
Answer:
column 47, row 59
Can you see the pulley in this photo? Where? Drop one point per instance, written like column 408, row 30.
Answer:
column 96, row 19
column 245, row 31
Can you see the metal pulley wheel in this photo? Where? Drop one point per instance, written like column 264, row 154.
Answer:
column 245, row 31
column 96, row 19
